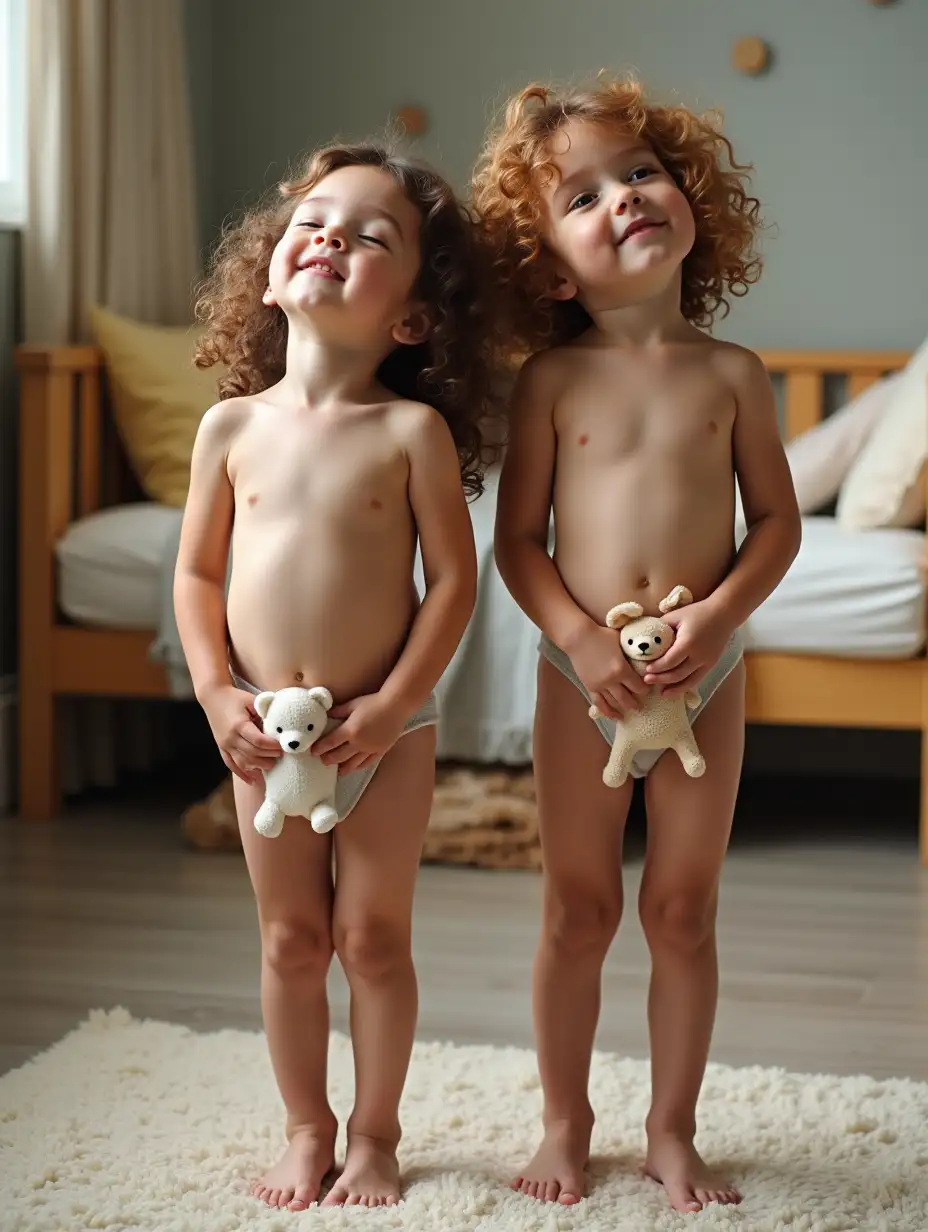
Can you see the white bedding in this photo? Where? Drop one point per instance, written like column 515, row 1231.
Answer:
column 849, row 594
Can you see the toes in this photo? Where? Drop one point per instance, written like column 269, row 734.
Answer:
column 285, row 1197
column 568, row 1198
column 353, row 1200
column 550, row 1192
column 516, row 1183
column 391, row 1200
column 335, row 1196
column 683, row 1199
column 303, row 1196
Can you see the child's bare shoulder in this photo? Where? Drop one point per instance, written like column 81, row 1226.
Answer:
column 546, row 374
column 737, row 366
column 224, row 421
column 414, row 423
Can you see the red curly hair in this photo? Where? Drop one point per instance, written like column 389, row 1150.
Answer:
column 452, row 370
column 517, row 163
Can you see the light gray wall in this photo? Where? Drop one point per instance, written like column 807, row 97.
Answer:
column 837, row 129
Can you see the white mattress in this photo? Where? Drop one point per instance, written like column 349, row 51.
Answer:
column 848, row 594
column 109, row 566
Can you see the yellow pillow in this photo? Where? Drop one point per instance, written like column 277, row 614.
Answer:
column 158, row 398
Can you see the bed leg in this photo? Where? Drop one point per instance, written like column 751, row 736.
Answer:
column 39, row 789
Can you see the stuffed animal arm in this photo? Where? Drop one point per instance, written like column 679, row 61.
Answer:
column 660, row 722
column 298, row 784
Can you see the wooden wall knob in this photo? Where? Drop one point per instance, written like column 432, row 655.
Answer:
column 413, row 119
column 750, row 55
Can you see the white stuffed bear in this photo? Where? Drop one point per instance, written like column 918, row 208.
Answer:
column 298, row 784
column 661, row 722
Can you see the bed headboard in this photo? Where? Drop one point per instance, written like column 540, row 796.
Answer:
column 805, row 375
column 72, row 461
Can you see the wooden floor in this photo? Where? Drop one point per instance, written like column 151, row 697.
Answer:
column 823, row 935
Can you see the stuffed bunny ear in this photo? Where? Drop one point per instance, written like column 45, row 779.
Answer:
column 623, row 613
column 678, row 597
column 322, row 696
column 263, row 704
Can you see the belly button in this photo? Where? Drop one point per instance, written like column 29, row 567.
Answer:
column 644, row 583
column 299, row 677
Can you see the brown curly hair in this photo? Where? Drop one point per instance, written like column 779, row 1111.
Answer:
column 452, row 370
column 516, row 164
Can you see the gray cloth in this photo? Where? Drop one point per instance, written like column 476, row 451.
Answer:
column 351, row 787
column 647, row 759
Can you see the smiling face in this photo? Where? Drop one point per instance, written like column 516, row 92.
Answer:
column 615, row 221
column 350, row 256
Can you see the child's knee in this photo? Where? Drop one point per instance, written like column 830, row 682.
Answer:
column 372, row 949
column 581, row 924
column 292, row 945
column 681, row 920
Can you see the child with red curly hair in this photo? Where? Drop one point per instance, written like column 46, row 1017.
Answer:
column 349, row 315
column 619, row 229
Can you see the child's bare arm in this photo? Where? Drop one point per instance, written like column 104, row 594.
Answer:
column 774, row 532
column 199, row 599
column 200, row 575
column 522, row 520
column 767, row 493
column 446, row 539
column 449, row 562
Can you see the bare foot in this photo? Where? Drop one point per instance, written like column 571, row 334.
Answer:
column 371, row 1176
column 556, row 1172
column 674, row 1162
column 296, row 1178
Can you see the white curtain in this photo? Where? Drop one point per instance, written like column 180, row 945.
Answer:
column 111, row 220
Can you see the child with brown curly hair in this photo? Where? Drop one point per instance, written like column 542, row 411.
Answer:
column 618, row 229
column 349, row 313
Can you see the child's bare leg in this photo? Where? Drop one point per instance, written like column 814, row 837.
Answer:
column 292, row 880
column 377, row 853
column 582, row 824
column 689, row 823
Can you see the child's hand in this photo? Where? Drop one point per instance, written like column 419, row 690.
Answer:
column 243, row 745
column 371, row 726
column 612, row 683
column 702, row 632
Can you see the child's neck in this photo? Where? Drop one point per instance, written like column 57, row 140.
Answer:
column 320, row 371
column 648, row 322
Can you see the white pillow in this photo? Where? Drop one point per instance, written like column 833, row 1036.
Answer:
column 885, row 486
column 820, row 458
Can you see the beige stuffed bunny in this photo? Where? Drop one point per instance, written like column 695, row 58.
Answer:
column 661, row 722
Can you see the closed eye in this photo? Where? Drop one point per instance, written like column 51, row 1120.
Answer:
column 372, row 239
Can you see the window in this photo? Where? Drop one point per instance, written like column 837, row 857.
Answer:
column 12, row 111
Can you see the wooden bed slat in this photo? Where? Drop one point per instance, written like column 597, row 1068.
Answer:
column 90, row 435
column 859, row 382
column 815, row 691
column 106, row 663
column 804, row 402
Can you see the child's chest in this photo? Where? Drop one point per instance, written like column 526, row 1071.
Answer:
column 612, row 411
column 355, row 475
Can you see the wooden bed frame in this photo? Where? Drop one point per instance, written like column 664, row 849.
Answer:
column 72, row 464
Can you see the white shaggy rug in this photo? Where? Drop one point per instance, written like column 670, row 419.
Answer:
column 144, row 1126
